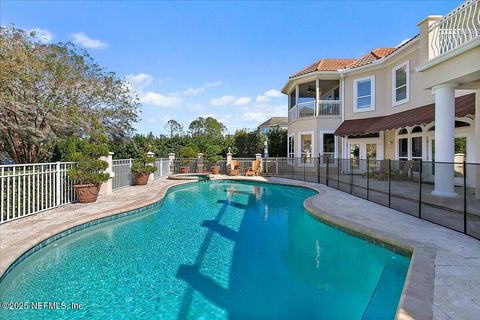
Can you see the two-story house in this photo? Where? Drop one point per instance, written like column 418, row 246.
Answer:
column 416, row 101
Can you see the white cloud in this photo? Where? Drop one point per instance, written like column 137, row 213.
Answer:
column 213, row 84
column 83, row 40
column 266, row 97
column 273, row 93
column 266, row 113
column 163, row 80
column 160, row 100
column 139, row 81
column 223, row 101
column 193, row 91
column 242, row 101
column 43, row 35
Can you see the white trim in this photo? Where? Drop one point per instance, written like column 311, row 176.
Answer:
column 372, row 94
column 405, row 64
column 320, row 140
column 449, row 55
column 299, row 146
column 288, row 145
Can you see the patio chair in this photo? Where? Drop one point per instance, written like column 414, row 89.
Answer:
column 254, row 170
column 406, row 169
column 382, row 173
column 232, row 169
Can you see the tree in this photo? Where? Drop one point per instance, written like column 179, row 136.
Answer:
column 52, row 91
column 277, row 142
column 206, row 126
column 174, row 128
column 247, row 144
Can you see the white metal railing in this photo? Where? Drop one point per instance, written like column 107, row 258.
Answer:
column 122, row 169
column 329, row 107
column 122, row 173
column 459, row 27
column 315, row 108
column 163, row 168
column 31, row 188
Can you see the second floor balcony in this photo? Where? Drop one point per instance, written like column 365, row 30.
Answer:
column 316, row 98
column 314, row 108
column 458, row 28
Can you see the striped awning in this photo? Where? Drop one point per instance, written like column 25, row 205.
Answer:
column 464, row 106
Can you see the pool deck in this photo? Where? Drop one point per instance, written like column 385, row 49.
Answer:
column 443, row 280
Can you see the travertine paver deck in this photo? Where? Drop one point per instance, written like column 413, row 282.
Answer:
column 443, row 280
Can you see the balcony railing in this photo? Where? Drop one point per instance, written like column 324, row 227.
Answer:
column 459, row 27
column 312, row 108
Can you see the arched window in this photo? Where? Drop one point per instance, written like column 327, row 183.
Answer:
column 403, row 131
column 417, row 129
column 460, row 124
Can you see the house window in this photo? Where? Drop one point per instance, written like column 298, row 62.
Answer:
column 293, row 98
column 306, row 148
column 364, row 94
column 400, row 84
column 403, row 149
column 291, row 146
column 417, row 148
column 328, row 146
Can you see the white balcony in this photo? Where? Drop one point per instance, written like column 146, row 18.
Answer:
column 312, row 109
column 458, row 28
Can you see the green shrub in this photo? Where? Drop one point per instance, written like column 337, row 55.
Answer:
column 89, row 169
column 143, row 165
column 212, row 154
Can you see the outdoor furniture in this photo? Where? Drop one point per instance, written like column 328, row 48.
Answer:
column 232, row 169
column 254, row 170
column 406, row 169
column 382, row 173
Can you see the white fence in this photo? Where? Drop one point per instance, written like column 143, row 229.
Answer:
column 459, row 27
column 122, row 170
column 30, row 188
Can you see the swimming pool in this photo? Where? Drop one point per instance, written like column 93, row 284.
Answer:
column 213, row 249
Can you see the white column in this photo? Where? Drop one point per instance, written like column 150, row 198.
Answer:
column 297, row 96
column 151, row 177
column 317, row 95
column 171, row 165
column 476, row 143
column 107, row 187
column 444, row 139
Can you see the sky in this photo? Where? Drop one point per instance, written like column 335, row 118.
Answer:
column 228, row 60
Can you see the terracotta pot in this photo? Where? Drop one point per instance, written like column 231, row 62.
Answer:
column 184, row 169
column 215, row 169
column 87, row 193
column 141, row 179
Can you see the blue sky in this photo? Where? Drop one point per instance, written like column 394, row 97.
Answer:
column 223, row 59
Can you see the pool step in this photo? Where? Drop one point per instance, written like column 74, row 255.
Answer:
column 383, row 295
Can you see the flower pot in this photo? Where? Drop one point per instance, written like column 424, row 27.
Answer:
column 215, row 169
column 87, row 193
column 184, row 169
column 141, row 179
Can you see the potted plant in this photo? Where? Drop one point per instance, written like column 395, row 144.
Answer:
column 89, row 173
column 142, row 168
column 186, row 155
column 212, row 155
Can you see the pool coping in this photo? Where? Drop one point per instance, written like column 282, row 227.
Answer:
column 416, row 301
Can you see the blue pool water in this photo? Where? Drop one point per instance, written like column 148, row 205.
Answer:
column 212, row 250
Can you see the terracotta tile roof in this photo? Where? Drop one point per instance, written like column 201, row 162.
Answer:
column 464, row 105
column 372, row 56
column 325, row 65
